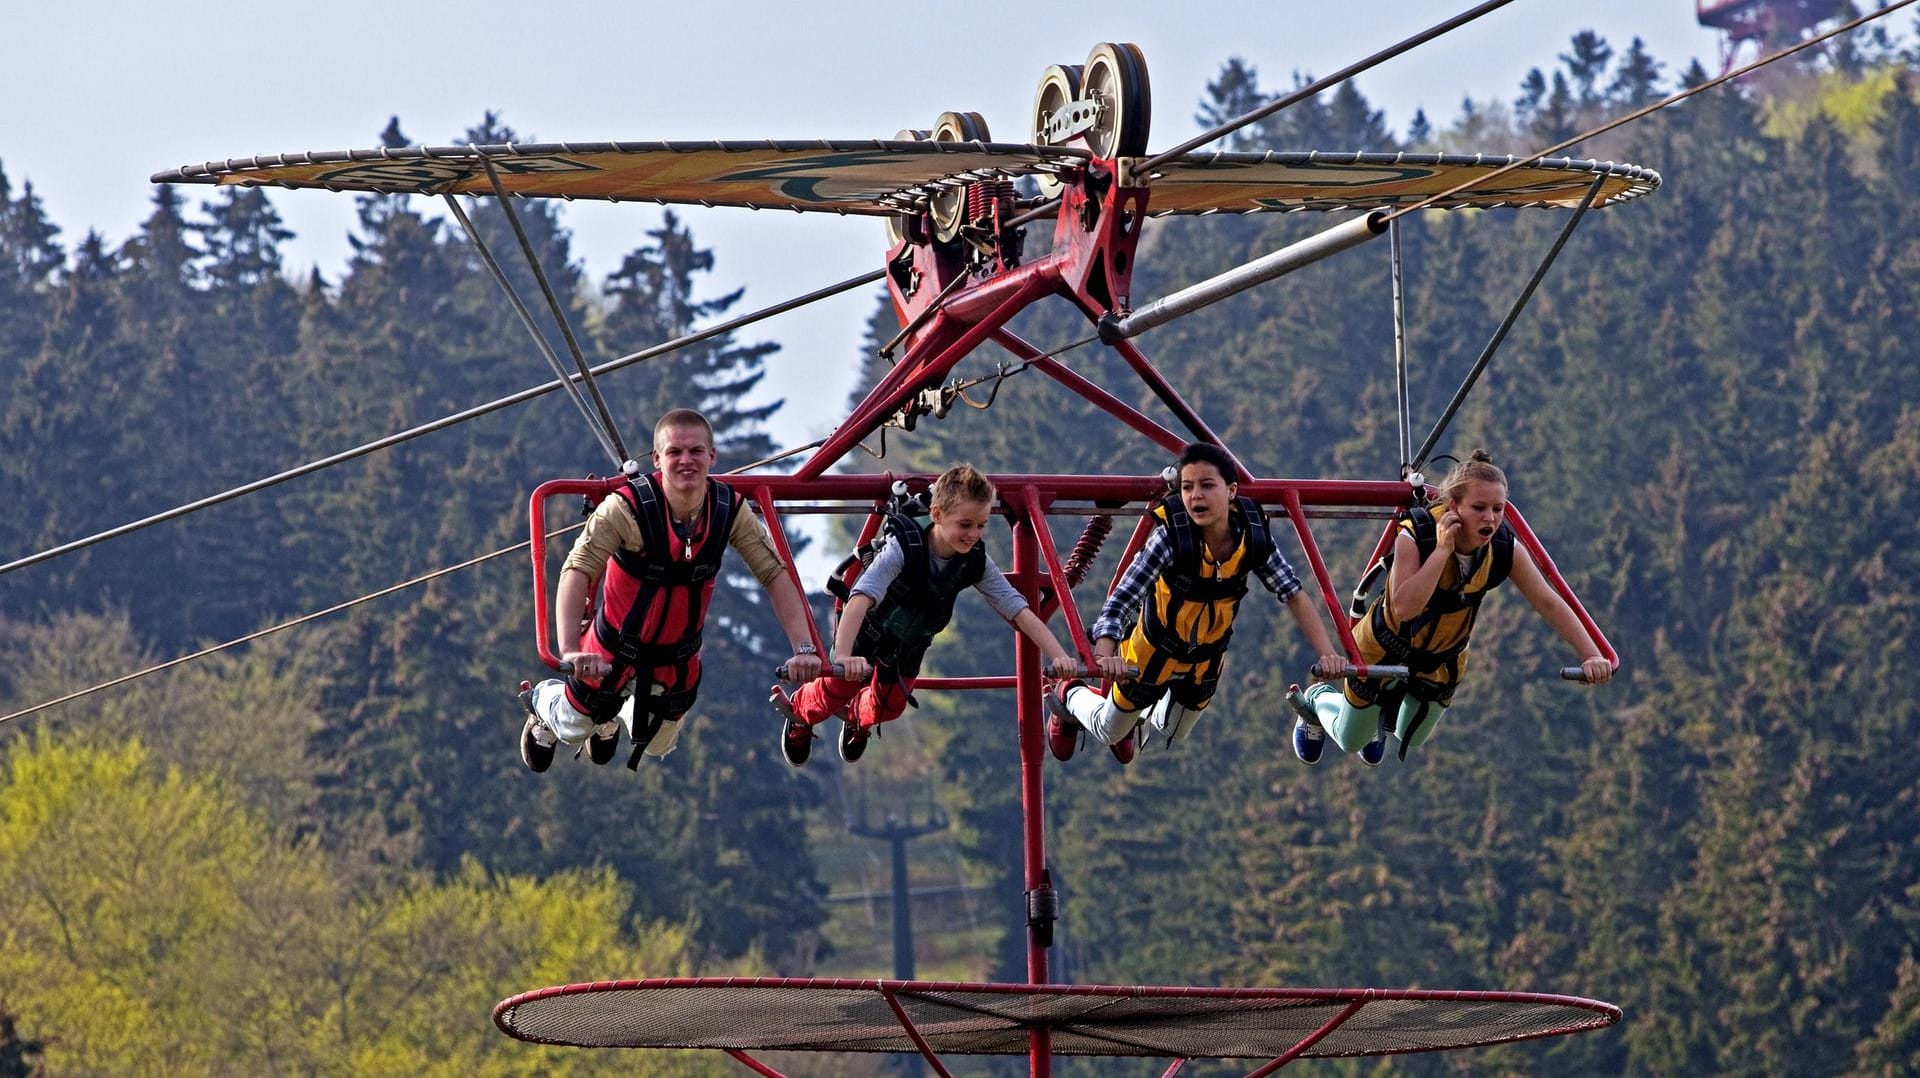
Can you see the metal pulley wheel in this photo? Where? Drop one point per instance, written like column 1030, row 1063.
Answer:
column 949, row 209
column 1058, row 115
column 904, row 226
column 1115, row 80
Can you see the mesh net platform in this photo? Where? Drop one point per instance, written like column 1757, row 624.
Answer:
column 789, row 1014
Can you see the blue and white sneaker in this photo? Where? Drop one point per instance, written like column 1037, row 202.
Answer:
column 1308, row 741
column 1375, row 751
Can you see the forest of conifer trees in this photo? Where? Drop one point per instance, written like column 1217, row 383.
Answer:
column 319, row 853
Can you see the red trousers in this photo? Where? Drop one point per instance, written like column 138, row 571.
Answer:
column 881, row 699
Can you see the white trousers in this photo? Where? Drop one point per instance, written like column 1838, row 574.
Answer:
column 572, row 726
column 1107, row 724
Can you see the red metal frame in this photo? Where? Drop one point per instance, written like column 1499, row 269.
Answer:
column 1090, row 263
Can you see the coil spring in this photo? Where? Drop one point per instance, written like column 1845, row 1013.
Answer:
column 982, row 196
column 1087, row 548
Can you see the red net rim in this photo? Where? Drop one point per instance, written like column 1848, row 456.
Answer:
column 845, row 1015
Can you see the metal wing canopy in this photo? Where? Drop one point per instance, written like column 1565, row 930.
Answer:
column 879, row 177
column 861, row 177
column 1256, row 182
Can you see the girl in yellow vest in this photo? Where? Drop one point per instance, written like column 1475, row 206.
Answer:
column 1445, row 559
column 1162, row 634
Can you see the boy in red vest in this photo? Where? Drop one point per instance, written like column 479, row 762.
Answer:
column 655, row 547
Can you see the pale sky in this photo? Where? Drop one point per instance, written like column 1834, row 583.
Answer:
column 96, row 95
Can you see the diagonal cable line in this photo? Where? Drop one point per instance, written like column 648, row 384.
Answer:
column 271, row 629
column 1431, row 200
column 540, row 344
column 440, row 424
column 1319, row 86
column 716, row 330
column 554, row 307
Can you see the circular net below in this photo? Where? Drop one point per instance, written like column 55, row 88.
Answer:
column 778, row 1014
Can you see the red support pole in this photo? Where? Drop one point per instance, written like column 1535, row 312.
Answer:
column 780, row 547
column 1032, row 792
column 753, row 1064
column 1309, row 1040
column 1558, row 583
column 1002, row 681
column 1090, row 392
column 913, row 374
column 1062, row 594
column 1291, row 500
column 1175, row 403
column 913, row 1033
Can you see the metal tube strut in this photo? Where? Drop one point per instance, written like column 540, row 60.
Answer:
column 1309, row 1040
column 913, row 1032
column 1400, row 354
column 1513, row 315
column 1087, row 390
column 600, row 433
column 553, row 302
column 1234, row 281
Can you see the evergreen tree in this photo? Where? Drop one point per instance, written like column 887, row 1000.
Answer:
column 1420, row 130
column 1233, row 94
column 1586, row 63
column 1636, row 82
column 653, row 300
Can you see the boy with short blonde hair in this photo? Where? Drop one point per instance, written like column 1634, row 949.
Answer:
column 899, row 604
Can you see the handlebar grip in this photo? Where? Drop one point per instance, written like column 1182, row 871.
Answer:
column 836, row 669
column 1573, row 673
column 1080, row 669
column 1366, row 672
column 564, row 667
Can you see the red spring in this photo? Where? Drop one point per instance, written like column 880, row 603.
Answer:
column 982, row 196
column 1087, row 549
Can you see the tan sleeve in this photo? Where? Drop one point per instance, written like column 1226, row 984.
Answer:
column 610, row 528
column 751, row 540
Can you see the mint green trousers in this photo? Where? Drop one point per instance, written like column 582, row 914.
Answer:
column 1352, row 727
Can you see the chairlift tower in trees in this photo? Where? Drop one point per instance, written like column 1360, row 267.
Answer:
column 897, row 832
column 1765, row 23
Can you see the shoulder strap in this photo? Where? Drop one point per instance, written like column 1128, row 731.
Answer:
column 914, row 548
column 1500, row 548
column 1173, row 517
column 1423, row 528
column 1259, row 533
column 649, row 510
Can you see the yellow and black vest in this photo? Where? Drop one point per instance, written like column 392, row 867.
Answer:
column 1188, row 616
column 1431, row 642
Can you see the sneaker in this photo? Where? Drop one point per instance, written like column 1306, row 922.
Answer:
column 853, row 739
column 1308, row 741
column 604, row 741
column 1375, row 751
column 1063, row 730
column 1123, row 749
column 796, row 737
column 536, row 740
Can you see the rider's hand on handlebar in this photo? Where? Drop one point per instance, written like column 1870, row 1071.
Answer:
column 1329, row 667
column 588, row 666
column 802, row 668
column 856, row 669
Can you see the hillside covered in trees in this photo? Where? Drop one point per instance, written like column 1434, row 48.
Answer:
column 320, row 854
